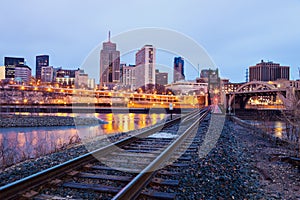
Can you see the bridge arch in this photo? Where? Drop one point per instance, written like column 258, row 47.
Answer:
column 251, row 86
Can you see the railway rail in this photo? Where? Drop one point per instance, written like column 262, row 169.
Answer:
column 120, row 170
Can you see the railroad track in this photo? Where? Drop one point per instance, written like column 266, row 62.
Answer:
column 121, row 170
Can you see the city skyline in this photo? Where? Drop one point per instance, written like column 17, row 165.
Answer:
column 166, row 69
column 235, row 34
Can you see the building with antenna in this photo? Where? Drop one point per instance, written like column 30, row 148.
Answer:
column 109, row 65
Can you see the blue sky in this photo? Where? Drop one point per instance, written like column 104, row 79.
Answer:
column 236, row 34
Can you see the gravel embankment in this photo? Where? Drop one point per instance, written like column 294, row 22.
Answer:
column 42, row 121
column 244, row 164
column 224, row 173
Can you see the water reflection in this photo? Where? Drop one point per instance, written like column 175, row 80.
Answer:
column 276, row 128
column 17, row 144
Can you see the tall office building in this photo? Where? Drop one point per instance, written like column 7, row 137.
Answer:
column 145, row 66
column 178, row 69
column 47, row 74
column 10, row 64
column 41, row 61
column 109, row 65
column 23, row 73
column 268, row 71
column 128, row 77
column 13, row 61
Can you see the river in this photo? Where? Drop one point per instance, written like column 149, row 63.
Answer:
column 18, row 144
column 275, row 128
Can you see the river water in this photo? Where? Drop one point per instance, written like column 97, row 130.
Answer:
column 276, row 128
column 17, row 144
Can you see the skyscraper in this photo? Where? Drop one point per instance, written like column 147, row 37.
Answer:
column 109, row 65
column 145, row 66
column 10, row 64
column 41, row 61
column 178, row 69
column 268, row 71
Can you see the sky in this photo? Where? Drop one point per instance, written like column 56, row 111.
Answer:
column 236, row 34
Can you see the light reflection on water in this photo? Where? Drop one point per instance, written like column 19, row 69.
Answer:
column 276, row 128
column 30, row 142
column 279, row 128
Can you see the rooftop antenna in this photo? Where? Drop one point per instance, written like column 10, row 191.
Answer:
column 108, row 36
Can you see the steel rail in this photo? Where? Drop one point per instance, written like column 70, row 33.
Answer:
column 134, row 187
column 18, row 187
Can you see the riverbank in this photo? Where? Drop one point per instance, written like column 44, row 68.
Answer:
column 268, row 155
column 67, row 152
column 8, row 121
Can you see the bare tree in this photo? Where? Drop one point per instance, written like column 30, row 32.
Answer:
column 291, row 115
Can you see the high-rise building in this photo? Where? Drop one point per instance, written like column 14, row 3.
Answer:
column 161, row 78
column 41, row 61
column 178, row 69
column 268, row 71
column 13, row 61
column 10, row 64
column 109, row 65
column 145, row 60
column 47, row 74
column 128, row 77
column 23, row 73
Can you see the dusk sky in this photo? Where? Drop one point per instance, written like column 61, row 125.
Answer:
column 236, row 34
